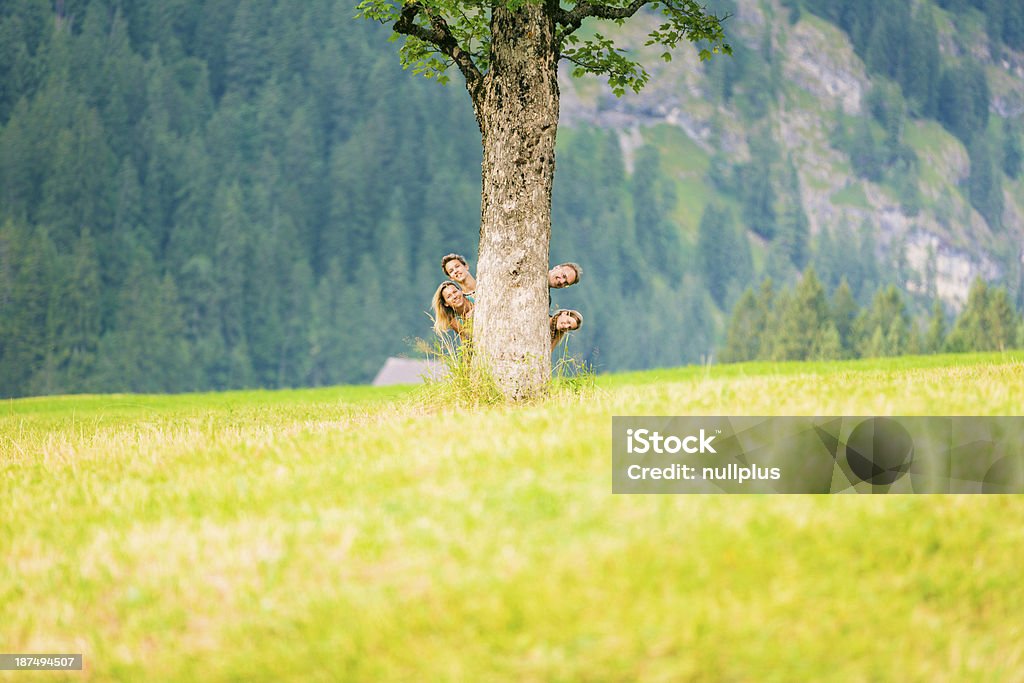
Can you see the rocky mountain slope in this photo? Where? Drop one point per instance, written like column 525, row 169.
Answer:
column 822, row 76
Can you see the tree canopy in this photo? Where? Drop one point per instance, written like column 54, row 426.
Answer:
column 440, row 34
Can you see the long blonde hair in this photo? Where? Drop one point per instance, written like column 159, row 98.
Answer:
column 445, row 317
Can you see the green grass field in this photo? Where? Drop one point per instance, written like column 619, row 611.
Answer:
column 371, row 534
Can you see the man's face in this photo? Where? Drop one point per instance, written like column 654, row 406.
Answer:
column 456, row 270
column 452, row 296
column 566, row 321
column 561, row 276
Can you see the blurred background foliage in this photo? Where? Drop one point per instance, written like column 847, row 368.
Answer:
column 214, row 194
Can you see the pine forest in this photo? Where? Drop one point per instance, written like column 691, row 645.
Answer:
column 216, row 194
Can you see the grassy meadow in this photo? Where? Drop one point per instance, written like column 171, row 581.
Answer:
column 385, row 534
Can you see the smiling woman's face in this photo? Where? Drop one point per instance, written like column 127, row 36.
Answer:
column 452, row 296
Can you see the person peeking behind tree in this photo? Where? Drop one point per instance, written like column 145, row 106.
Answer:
column 564, row 275
column 453, row 310
column 456, row 268
column 563, row 322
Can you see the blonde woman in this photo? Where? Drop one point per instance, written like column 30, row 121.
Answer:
column 452, row 310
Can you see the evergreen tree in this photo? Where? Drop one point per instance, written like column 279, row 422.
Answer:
column 792, row 11
column 191, row 233
column 15, row 63
column 29, row 268
column 864, row 155
column 794, row 227
column 829, row 259
column 247, row 48
column 79, row 316
column 75, row 192
column 653, row 200
column 864, row 275
column 970, row 330
column 611, row 250
column 304, row 196
column 1013, row 24
column 935, row 337
column 742, row 340
column 905, row 180
column 122, row 99
column 1002, row 321
column 116, row 245
column 883, row 329
column 698, row 326
column 920, row 78
column 392, row 267
column 294, row 358
column 265, row 294
column 1013, row 156
column 723, row 253
column 129, row 215
column 321, row 335
column 668, row 339
column 875, row 345
column 844, row 312
column 231, row 259
column 963, row 100
column 349, row 231
column 886, row 52
column 146, row 349
column 826, row 344
column 985, row 188
column 764, row 321
column 201, row 320
column 374, row 323
column 756, row 191
column 803, row 322
column 778, row 267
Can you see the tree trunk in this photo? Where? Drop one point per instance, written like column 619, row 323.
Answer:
column 517, row 109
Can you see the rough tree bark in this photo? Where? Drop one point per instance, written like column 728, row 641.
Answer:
column 517, row 109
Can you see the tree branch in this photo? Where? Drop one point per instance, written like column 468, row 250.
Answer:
column 441, row 37
column 590, row 66
column 572, row 19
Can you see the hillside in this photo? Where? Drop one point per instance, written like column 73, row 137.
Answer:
column 819, row 76
column 358, row 534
